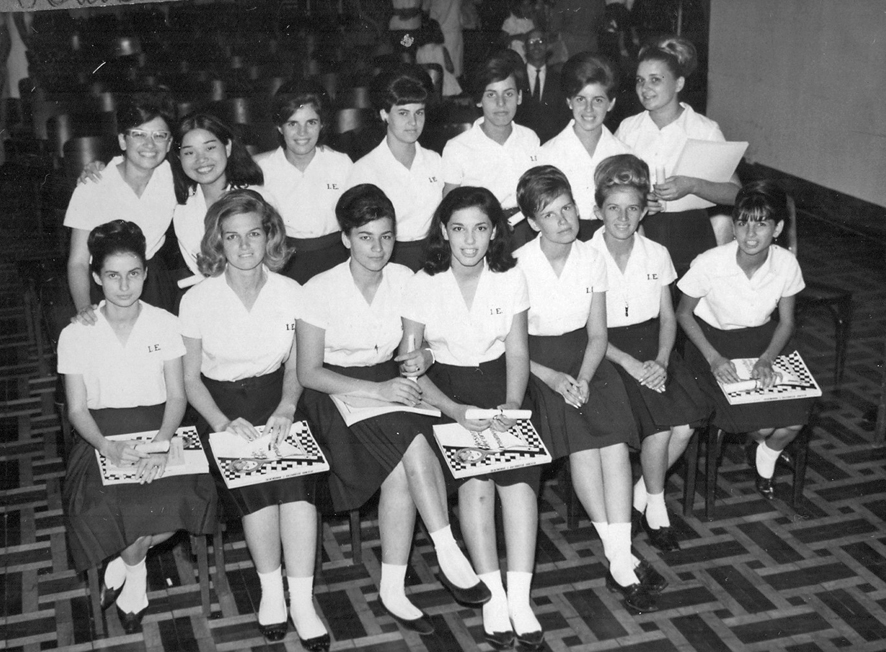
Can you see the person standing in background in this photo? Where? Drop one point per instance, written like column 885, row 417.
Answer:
column 448, row 14
column 544, row 108
column 579, row 20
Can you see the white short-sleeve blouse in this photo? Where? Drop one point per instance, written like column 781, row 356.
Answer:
column 122, row 375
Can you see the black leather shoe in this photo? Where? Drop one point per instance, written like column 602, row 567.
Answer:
column 663, row 538
column 531, row 640
column 499, row 640
column 785, row 459
column 636, row 596
column 108, row 596
column 316, row 644
column 472, row 596
column 421, row 625
column 132, row 623
column 650, row 578
column 275, row 631
column 765, row 487
column 636, row 522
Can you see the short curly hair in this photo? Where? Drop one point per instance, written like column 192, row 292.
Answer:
column 212, row 261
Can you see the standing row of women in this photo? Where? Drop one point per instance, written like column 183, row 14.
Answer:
column 583, row 332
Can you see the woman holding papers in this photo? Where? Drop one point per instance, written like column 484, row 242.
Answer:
column 123, row 374
column 347, row 336
column 729, row 297
column 584, row 410
column 658, row 136
column 664, row 397
column 470, row 304
column 239, row 333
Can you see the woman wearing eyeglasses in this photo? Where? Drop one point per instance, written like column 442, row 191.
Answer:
column 136, row 186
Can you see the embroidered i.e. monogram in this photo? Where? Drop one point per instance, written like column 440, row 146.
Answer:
column 290, row 327
column 331, row 186
column 496, row 311
column 153, row 348
column 652, row 277
column 432, row 179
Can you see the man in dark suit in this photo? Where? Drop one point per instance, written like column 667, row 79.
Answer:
column 544, row 108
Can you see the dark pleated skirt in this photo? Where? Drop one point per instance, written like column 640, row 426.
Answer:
column 361, row 457
column 484, row 387
column 411, row 254
column 682, row 403
column 743, row 343
column 313, row 256
column 103, row 520
column 605, row 420
column 685, row 234
column 255, row 400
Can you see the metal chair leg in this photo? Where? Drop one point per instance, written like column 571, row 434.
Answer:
column 690, row 457
column 714, row 441
column 801, row 444
column 94, row 586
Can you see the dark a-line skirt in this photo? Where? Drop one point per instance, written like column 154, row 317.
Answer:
column 101, row 521
column 743, row 343
column 363, row 455
column 605, row 420
column 313, row 256
column 485, row 387
column 682, row 403
column 685, row 234
column 255, row 400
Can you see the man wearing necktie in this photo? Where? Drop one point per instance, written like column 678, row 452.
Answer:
column 544, row 108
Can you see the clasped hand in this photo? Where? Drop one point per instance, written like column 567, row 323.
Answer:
column 574, row 392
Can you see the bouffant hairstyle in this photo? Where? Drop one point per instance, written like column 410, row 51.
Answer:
column 498, row 256
column 676, row 52
column 212, row 261
column 241, row 170
column 588, row 68
column 759, row 201
column 621, row 171
column 362, row 204
column 407, row 83
column 290, row 97
column 498, row 67
column 115, row 237
column 538, row 187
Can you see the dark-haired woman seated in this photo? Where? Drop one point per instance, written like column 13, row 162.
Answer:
column 305, row 178
column 239, row 332
column 123, row 374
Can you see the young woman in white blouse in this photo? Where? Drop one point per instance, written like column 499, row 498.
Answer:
column 410, row 175
column 305, row 177
column 469, row 304
column 347, row 337
column 589, row 82
column 240, row 372
column 137, row 186
column 658, row 135
column 211, row 160
column 123, row 374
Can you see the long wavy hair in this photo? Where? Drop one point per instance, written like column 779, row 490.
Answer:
column 241, row 171
column 212, row 261
column 498, row 256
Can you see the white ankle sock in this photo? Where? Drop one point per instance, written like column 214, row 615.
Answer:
column 657, row 511
column 766, row 459
column 301, row 607
column 453, row 563
column 134, row 596
column 603, row 532
column 621, row 563
column 640, row 495
column 115, row 573
column 392, row 592
column 519, row 609
column 272, row 608
column 495, row 612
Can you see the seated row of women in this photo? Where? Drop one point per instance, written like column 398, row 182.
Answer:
column 580, row 332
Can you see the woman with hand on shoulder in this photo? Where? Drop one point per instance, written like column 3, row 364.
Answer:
column 305, row 177
column 123, row 374
column 658, row 135
column 137, row 185
column 589, row 82
column 240, row 373
column 410, row 175
column 469, row 303
column 213, row 160
column 347, row 337
column 665, row 399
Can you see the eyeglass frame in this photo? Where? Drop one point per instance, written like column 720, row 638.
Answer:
column 143, row 136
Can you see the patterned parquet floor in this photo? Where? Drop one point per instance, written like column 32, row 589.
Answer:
column 761, row 576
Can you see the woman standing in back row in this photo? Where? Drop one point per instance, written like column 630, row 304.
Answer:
column 658, row 136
